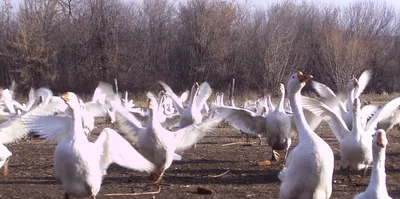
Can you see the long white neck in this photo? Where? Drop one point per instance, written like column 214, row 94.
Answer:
column 302, row 126
column 77, row 124
column 193, row 94
column 378, row 175
column 281, row 106
column 271, row 106
column 350, row 98
column 356, row 120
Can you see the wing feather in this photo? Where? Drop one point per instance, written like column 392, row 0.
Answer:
column 338, row 126
column 245, row 120
column 19, row 126
column 115, row 149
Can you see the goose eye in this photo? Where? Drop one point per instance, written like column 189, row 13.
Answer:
column 293, row 77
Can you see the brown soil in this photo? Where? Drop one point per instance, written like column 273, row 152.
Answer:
column 227, row 171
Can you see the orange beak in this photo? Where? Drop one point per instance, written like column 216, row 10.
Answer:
column 149, row 104
column 381, row 139
column 303, row 78
column 65, row 97
column 196, row 84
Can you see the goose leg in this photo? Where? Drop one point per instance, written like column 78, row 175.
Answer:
column 259, row 140
column 93, row 197
column 286, row 154
column 158, row 177
column 66, row 196
column 5, row 167
column 247, row 138
column 275, row 156
column 349, row 175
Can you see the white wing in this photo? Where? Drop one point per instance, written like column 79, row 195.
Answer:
column 50, row 127
column 115, row 149
column 189, row 135
column 323, row 90
column 338, row 126
column 362, row 83
column 129, row 125
column 204, row 93
column 245, row 120
column 17, row 127
column 383, row 113
column 175, row 98
column 184, row 96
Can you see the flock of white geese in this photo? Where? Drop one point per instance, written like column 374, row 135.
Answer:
column 80, row 164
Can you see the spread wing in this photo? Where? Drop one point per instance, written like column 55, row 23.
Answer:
column 338, row 126
column 383, row 113
column 204, row 93
column 115, row 149
column 18, row 126
column 191, row 134
column 243, row 119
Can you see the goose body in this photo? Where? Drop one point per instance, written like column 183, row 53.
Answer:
column 309, row 168
column 79, row 164
column 377, row 185
column 279, row 127
column 355, row 144
column 156, row 143
column 198, row 98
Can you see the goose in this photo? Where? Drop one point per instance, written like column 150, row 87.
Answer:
column 249, row 133
column 61, row 122
column 16, row 128
column 309, row 167
column 80, row 165
column 198, row 97
column 377, row 185
column 388, row 123
column 156, row 143
column 279, row 127
column 355, row 144
column 7, row 101
column 354, row 89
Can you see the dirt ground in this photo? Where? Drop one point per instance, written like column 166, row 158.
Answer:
column 229, row 170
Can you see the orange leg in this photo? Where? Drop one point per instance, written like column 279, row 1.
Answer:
column 5, row 167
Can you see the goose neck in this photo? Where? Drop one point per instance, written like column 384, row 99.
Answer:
column 299, row 118
column 378, row 175
column 281, row 99
column 77, row 123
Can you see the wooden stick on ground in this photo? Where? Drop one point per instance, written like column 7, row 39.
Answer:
column 234, row 143
column 135, row 194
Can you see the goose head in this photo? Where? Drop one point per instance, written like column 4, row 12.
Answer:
column 297, row 81
column 352, row 86
column 71, row 99
column 380, row 141
column 152, row 104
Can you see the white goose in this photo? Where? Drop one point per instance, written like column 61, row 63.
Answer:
column 80, row 165
column 344, row 108
column 377, row 185
column 280, row 127
column 16, row 128
column 198, row 98
column 309, row 168
column 155, row 142
column 355, row 145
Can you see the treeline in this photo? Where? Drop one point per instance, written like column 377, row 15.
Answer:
column 72, row 44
